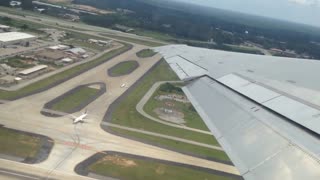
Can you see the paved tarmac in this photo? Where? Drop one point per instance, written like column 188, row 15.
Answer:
column 163, row 136
column 75, row 143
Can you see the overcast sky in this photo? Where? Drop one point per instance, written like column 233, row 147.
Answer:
column 303, row 11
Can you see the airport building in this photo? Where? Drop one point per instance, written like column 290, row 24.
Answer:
column 34, row 71
column 12, row 38
column 4, row 28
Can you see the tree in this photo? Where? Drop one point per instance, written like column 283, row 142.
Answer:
column 24, row 26
column 27, row 4
column 5, row 2
column 7, row 20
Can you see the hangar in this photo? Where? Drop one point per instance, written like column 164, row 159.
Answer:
column 11, row 38
column 34, row 71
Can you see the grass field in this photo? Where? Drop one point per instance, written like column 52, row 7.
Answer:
column 18, row 144
column 243, row 49
column 78, row 39
column 123, row 68
column 178, row 146
column 84, row 44
column 134, row 40
column 125, row 113
column 24, row 26
column 57, row 78
column 16, row 62
column 191, row 116
column 153, row 34
column 134, row 168
column 146, row 53
column 73, row 100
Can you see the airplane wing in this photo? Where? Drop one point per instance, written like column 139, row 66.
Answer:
column 72, row 116
column 263, row 110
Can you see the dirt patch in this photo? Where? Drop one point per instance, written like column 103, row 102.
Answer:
column 170, row 115
column 120, row 161
column 95, row 86
column 174, row 97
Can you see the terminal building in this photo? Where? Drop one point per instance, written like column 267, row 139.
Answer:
column 15, row 38
column 33, row 72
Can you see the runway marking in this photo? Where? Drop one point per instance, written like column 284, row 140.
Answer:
column 16, row 174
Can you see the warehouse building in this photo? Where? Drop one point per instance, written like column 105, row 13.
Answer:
column 4, row 28
column 59, row 47
column 34, row 71
column 13, row 38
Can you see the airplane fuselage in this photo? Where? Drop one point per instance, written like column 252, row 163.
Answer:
column 80, row 118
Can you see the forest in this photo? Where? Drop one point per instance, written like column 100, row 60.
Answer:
column 183, row 22
column 205, row 24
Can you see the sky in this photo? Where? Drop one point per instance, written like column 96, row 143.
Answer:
column 300, row 11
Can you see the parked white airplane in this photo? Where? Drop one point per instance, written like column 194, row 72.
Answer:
column 123, row 86
column 79, row 119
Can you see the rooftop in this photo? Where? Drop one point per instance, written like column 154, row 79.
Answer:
column 77, row 51
column 13, row 36
column 33, row 69
column 67, row 60
column 59, row 47
column 4, row 26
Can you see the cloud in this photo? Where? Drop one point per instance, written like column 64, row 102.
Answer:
column 306, row 2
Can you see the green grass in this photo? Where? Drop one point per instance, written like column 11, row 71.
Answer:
column 191, row 116
column 84, row 44
column 123, row 68
column 136, row 41
column 146, row 53
column 176, row 145
column 125, row 113
column 16, row 62
column 47, row 82
column 30, row 26
column 73, row 100
column 153, row 34
column 115, row 166
column 243, row 49
column 18, row 144
column 78, row 39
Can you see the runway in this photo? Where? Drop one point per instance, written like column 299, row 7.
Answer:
column 75, row 143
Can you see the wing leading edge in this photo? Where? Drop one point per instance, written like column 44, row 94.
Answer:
column 262, row 138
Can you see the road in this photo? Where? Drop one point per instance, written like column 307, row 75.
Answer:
column 163, row 136
column 77, row 27
column 73, row 144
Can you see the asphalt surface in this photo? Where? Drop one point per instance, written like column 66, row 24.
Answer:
column 75, row 143
column 163, row 136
